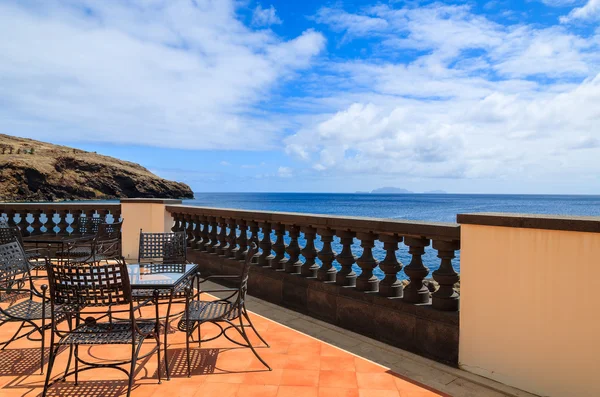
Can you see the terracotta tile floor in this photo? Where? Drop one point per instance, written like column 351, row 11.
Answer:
column 302, row 366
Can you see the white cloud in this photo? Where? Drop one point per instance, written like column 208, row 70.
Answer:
column 284, row 172
column 476, row 100
column 166, row 74
column 590, row 11
column 225, row 163
column 265, row 16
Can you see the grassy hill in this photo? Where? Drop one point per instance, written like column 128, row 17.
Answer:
column 38, row 171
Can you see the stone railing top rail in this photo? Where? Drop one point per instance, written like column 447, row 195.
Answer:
column 49, row 207
column 432, row 230
column 589, row 224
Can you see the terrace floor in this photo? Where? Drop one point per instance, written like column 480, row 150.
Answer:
column 308, row 357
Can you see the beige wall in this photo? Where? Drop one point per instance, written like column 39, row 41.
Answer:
column 530, row 308
column 150, row 217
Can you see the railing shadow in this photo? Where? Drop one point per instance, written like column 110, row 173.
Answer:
column 203, row 362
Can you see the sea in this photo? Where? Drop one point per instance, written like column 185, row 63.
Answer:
column 419, row 207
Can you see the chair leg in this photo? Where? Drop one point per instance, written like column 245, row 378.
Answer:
column 187, row 352
column 132, row 369
column 242, row 332
column 165, row 340
column 158, row 355
column 68, row 363
column 76, row 354
column 43, row 334
column 199, row 337
column 247, row 317
column 53, row 352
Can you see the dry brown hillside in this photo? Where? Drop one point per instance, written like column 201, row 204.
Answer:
column 32, row 170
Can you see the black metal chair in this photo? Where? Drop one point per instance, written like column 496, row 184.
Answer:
column 162, row 247
column 36, row 257
column 105, row 245
column 15, row 284
column 93, row 297
column 223, row 310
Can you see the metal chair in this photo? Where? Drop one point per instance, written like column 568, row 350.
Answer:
column 105, row 245
column 93, row 297
column 223, row 310
column 162, row 247
column 16, row 283
column 155, row 251
column 36, row 257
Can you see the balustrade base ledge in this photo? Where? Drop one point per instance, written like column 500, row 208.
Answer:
column 418, row 328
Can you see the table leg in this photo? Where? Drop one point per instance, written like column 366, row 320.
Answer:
column 166, row 331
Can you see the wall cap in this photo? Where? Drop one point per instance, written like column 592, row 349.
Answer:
column 590, row 224
column 150, row 201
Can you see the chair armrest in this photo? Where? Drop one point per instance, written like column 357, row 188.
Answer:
column 218, row 276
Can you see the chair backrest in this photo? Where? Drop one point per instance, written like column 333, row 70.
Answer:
column 87, row 225
column 89, row 285
column 108, row 240
column 243, row 289
column 13, row 263
column 163, row 247
column 7, row 234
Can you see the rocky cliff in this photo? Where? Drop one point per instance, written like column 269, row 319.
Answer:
column 38, row 171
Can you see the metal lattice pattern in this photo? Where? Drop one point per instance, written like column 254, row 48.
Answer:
column 26, row 310
column 89, row 285
column 163, row 247
column 12, row 262
column 88, row 225
column 107, row 333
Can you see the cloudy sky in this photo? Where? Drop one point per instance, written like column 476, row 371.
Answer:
column 464, row 96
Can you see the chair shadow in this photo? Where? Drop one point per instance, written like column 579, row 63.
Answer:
column 21, row 362
column 203, row 362
column 90, row 388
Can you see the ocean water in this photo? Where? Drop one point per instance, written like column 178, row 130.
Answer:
column 422, row 207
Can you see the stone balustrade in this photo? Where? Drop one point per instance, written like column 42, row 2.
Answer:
column 55, row 219
column 224, row 232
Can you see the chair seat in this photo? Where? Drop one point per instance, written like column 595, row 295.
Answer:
column 26, row 310
column 209, row 311
column 106, row 334
column 76, row 252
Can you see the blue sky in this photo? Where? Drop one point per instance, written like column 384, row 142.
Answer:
column 340, row 96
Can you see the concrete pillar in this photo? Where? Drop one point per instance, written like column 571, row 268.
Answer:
column 149, row 215
column 530, row 301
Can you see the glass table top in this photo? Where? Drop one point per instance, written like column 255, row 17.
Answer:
column 158, row 275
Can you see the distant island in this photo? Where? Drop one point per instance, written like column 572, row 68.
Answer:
column 397, row 190
column 37, row 171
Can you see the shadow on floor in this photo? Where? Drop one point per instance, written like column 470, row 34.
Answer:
column 21, row 362
column 91, row 388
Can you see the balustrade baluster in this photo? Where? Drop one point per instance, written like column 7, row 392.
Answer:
column 309, row 268
column 222, row 245
column 326, row 272
column 189, row 229
column 266, row 244
column 210, row 245
column 203, row 227
column 415, row 291
column 367, row 281
column 62, row 223
column 346, row 275
column 242, row 241
column 197, row 232
column 103, row 213
column 36, row 224
column 293, row 264
column 446, row 298
column 232, row 246
column 390, row 286
column 278, row 261
column 175, row 227
column 254, row 237
column 10, row 217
